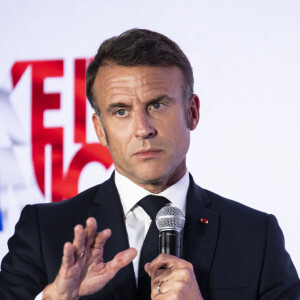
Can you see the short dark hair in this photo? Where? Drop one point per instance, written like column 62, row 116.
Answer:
column 140, row 47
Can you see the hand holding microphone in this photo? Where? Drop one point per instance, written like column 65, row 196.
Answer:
column 171, row 277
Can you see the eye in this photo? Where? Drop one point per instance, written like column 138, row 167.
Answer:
column 121, row 112
column 156, row 106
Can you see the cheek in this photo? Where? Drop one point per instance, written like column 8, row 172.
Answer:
column 119, row 142
column 181, row 137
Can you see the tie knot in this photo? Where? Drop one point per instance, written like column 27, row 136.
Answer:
column 152, row 204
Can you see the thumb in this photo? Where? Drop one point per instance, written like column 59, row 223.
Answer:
column 121, row 260
column 147, row 268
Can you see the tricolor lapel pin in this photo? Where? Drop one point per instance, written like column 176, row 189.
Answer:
column 204, row 220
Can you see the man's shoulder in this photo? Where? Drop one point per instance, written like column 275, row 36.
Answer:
column 234, row 212
column 85, row 195
column 239, row 221
column 227, row 205
column 85, row 198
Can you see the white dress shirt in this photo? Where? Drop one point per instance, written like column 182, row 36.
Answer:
column 137, row 221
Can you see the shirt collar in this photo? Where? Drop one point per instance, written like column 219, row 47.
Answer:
column 131, row 193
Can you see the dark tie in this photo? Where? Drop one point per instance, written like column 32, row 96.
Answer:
column 151, row 204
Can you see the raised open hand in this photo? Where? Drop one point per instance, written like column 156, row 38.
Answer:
column 83, row 271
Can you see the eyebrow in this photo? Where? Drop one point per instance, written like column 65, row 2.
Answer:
column 161, row 97
column 112, row 106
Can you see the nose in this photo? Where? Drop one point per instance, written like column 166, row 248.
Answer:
column 144, row 125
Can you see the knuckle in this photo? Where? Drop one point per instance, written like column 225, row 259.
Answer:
column 174, row 296
column 178, row 294
column 184, row 275
column 80, row 249
column 162, row 256
column 189, row 266
column 180, row 286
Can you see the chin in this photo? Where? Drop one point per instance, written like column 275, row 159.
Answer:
column 152, row 177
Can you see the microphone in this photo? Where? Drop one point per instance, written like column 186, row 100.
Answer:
column 170, row 221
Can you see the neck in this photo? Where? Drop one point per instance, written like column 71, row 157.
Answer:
column 158, row 185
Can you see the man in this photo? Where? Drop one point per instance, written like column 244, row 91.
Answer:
column 140, row 85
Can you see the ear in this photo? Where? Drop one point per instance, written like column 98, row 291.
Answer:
column 100, row 132
column 194, row 111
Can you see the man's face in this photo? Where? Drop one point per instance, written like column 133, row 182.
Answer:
column 143, row 122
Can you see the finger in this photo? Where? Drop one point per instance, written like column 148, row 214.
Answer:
column 165, row 261
column 160, row 288
column 121, row 260
column 96, row 254
column 68, row 256
column 147, row 268
column 152, row 267
column 175, row 279
column 162, row 275
column 79, row 241
column 101, row 239
column 90, row 231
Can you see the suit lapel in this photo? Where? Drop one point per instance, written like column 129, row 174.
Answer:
column 199, row 241
column 200, row 233
column 109, row 213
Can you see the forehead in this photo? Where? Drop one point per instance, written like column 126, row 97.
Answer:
column 138, row 81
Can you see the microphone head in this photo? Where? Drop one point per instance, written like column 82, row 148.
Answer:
column 170, row 218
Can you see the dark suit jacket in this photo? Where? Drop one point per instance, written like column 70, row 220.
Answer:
column 239, row 254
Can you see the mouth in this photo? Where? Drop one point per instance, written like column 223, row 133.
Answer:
column 147, row 153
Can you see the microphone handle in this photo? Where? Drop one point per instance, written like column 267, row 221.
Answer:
column 169, row 242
